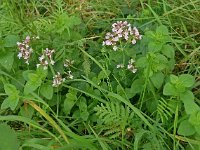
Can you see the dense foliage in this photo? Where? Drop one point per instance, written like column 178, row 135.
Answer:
column 108, row 74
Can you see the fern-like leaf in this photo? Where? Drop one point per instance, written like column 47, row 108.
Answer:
column 164, row 110
column 114, row 117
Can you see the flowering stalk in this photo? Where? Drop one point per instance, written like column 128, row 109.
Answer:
column 131, row 66
column 57, row 80
column 46, row 58
column 68, row 63
column 25, row 50
column 121, row 31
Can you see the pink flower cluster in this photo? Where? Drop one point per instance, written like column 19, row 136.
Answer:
column 131, row 66
column 57, row 80
column 46, row 58
column 25, row 50
column 121, row 30
column 68, row 63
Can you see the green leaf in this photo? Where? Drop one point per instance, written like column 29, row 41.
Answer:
column 46, row 90
column 195, row 118
column 82, row 104
column 169, row 89
column 189, row 104
column 168, row 51
column 137, row 86
column 10, row 89
column 102, row 74
column 187, row 80
column 34, row 81
column 11, row 41
column 74, row 21
column 26, row 111
column 142, row 62
column 69, row 102
column 162, row 30
column 13, row 97
column 8, row 138
column 186, row 129
column 41, row 72
column 187, row 96
column 26, row 73
column 154, row 46
column 157, row 79
column 6, row 60
column 84, row 115
column 173, row 79
column 11, row 101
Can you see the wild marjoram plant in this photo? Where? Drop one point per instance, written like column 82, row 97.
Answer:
column 135, row 81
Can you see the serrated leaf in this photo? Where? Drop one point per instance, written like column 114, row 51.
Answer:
column 103, row 75
column 173, row 79
column 186, row 129
column 11, row 101
column 46, row 90
column 189, row 104
column 26, row 73
column 137, row 85
column 142, row 62
column 69, row 102
column 41, row 72
column 34, row 81
column 6, row 60
column 11, row 41
column 187, row 80
column 8, row 138
column 168, row 51
column 157, row 79
column 84, row 115
column 155, row 46
column 169, row 89
column 195, row 118
column 26, row 111
column 162, row 30
column 10, row 89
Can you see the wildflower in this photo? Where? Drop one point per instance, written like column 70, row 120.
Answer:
column 57, row 80
column 68, row 63
column 46, row 58
column 69, row 75
column 120, row 66
column 121, row 30
column 115, row 48
column 131, row 66
column 25, row 50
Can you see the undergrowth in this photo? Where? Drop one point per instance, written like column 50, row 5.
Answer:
column 101, row 74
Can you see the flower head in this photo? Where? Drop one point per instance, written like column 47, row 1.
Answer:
column 25, row 50
column 46, row 58
column 68, row 63
column 131, row 66
column 57, row 80
column 121, row 30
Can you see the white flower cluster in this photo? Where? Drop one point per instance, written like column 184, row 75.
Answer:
column 131, row 66
column 46, row 58
column 121, row 30
column 69, row 75
column 25, row 50
column 57, row 80
column 68, row 63
column 120, row 66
